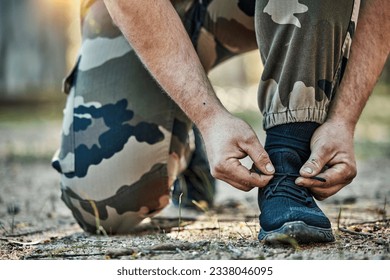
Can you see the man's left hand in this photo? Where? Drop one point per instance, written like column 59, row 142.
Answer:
column 332, row 158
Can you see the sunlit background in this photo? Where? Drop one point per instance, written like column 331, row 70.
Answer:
column 39, row 41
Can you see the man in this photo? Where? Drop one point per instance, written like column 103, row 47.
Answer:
column 125, row 141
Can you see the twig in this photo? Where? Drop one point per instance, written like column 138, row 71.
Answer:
column 146, row 252
column 350, row 231
column 41, row 256
column 246, row 223
column 384, row 208
column 339, row 218
column 355, row 232
column 240, row 235
column 219, row 229
column 371, row 222
column 361, row 223
column 13, row 210
column 180, row 252
column 3, row 227
column 173, row 247
column 199, row 229
column 29, row 232
column 119, row 253
column 11, row 241
column 201, row 206
column 99, row 228
column 179, row 223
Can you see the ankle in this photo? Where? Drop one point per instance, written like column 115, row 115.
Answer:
column 294, row 136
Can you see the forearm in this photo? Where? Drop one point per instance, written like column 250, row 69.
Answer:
column 157, row 35
column 369, row 51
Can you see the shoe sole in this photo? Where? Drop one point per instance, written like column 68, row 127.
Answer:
column 298, row 231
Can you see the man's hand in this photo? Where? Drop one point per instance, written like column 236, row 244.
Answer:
column 229, row 139
column 332, row 143
column 332, row 158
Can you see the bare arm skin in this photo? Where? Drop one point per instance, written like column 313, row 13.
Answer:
column 156, row 33
column 332, row 142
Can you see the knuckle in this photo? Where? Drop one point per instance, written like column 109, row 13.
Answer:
column 218, row 167
column 351, row 174
column 310, row 183
column 247, row 186
column 347, row 182
column 216, row 172
column 250, row 139
column 265, row 180
column 316, row 162
column 321, row 196
column 262, row 157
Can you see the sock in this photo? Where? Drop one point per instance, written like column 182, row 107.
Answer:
column 295, row 136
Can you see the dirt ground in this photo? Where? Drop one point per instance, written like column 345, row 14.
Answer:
column 35, row 224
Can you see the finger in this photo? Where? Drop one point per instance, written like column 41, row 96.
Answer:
column 335, row 175
column 323, row 193
column 316, row 162
column 259, row 157
column 320, row 190
column 241, row 178
column 246, row 182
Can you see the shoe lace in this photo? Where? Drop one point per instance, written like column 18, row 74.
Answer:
column 299, row 194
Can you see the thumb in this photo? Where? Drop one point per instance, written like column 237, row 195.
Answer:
column 260, row 158
column 314, row 165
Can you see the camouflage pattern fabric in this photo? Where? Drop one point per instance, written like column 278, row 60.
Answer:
column 305, row 47
column 124, row 142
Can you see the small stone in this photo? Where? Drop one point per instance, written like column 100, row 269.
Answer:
column 297, row 257
column 380, row 241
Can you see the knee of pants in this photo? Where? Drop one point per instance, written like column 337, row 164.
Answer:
column 122, row 212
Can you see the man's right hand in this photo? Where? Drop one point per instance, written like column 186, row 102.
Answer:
column 229, row 139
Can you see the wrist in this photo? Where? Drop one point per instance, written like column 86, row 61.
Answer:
column 345, row 124
column 342, row 112
column 208, row 117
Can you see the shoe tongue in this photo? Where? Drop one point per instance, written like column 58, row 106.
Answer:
column 285, row 161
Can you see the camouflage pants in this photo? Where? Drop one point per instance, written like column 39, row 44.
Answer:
column 124, row 142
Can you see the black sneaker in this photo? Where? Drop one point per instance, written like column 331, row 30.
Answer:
column 287, row 210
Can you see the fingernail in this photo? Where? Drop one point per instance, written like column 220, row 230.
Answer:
column 269, row 167
column 308, row 170
column 298, row 181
